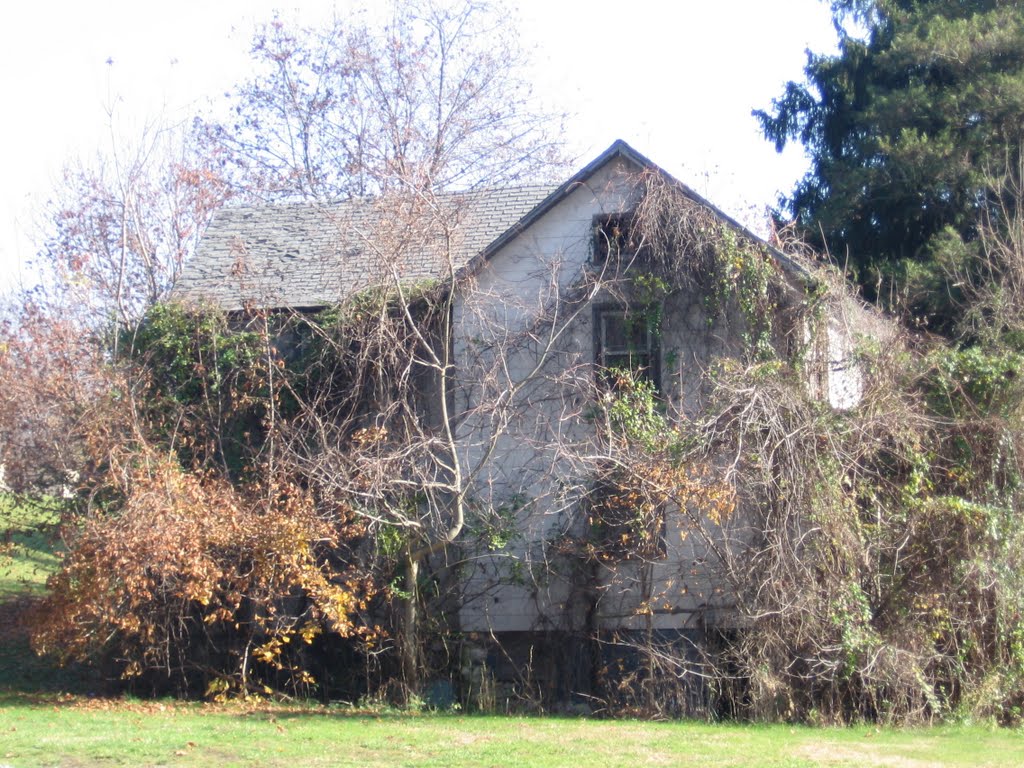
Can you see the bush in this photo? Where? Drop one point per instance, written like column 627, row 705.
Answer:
column 203, row 585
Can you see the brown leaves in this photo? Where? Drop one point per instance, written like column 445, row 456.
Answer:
column 630, row 499
column 187, row 550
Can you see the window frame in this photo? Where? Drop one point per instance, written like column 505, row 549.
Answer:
column 650, row 371
column 603, row 243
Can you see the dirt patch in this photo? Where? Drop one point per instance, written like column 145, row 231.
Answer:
column 464, row 739
column 859, row 754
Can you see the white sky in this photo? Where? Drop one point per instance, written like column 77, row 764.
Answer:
column 677, row 79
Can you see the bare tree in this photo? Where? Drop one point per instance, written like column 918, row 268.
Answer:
column 46, row 366
column 993, row 280
column 430, row 104
column 397, row 420
column 435, row 100
column 121, row 225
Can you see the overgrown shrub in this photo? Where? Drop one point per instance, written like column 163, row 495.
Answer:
column 203, row 587
column 882, row 579
column 197, row 558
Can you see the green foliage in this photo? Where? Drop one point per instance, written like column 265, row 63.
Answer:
column 647, row 470
column 745, row 272
column 391, row 540
column 903, row 598
column 902, row 124
column 194, row 350
column 686, row 248
column 206, row 383
column 647, row 307
column 851, row 615
column 213, row 385
column 650, row 289
column 503, row 525
column 970, row 382
column 495, row 526
column 636, row 412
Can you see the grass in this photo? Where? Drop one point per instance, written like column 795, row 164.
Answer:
column 89, row 732
column 28, row 545
column 43, row 725
column 27, row 556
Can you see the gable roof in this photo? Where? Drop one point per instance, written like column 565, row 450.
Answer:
column 621, row 150
column 304, row 255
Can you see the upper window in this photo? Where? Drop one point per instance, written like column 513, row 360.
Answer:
column 626, row 341
column 611, row 236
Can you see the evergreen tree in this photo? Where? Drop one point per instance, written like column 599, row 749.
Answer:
column 924, row 99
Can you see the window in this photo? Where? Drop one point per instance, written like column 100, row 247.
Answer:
column 611, row 236
column 627, row 341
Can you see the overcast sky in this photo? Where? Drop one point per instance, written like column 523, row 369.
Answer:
column 676, row 79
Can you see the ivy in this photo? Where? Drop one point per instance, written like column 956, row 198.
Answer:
column 965, row 382
column 744, row 275
column 207, row 381
column 636, row 413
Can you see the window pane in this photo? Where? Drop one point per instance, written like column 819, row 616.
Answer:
column 624, row 341
column 620, row 333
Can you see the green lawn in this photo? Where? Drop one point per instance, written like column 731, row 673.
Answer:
column 55, row 732
column 28, row 541
column 27, row 535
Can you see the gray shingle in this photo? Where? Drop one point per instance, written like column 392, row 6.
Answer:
column 307, row 255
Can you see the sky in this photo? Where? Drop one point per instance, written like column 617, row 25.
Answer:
column 677, row 79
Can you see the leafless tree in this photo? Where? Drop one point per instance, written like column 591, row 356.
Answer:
column 120, row 225
column 430, row 105
column 993, row 282
column 436, row 100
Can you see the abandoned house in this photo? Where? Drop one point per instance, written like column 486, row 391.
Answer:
column 556, row 294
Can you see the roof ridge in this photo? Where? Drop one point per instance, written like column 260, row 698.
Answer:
column 310, row 204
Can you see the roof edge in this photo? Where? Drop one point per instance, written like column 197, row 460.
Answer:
column 620, row 149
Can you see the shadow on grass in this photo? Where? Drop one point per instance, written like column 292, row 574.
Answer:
column 36, row 534
column 22, row 672
column 28, row 542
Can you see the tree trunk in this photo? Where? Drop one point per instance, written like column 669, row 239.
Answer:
column 409, row 634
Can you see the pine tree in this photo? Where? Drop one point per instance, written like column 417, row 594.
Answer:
column 922, row 101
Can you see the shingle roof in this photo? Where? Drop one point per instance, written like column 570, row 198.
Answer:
column 310, row 255
column 313, row 255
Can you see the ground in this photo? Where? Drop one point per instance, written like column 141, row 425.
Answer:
column 91, row 732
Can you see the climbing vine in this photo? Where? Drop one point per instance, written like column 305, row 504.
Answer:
column 687, row 247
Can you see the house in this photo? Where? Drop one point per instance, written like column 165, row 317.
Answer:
column 547, row 304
